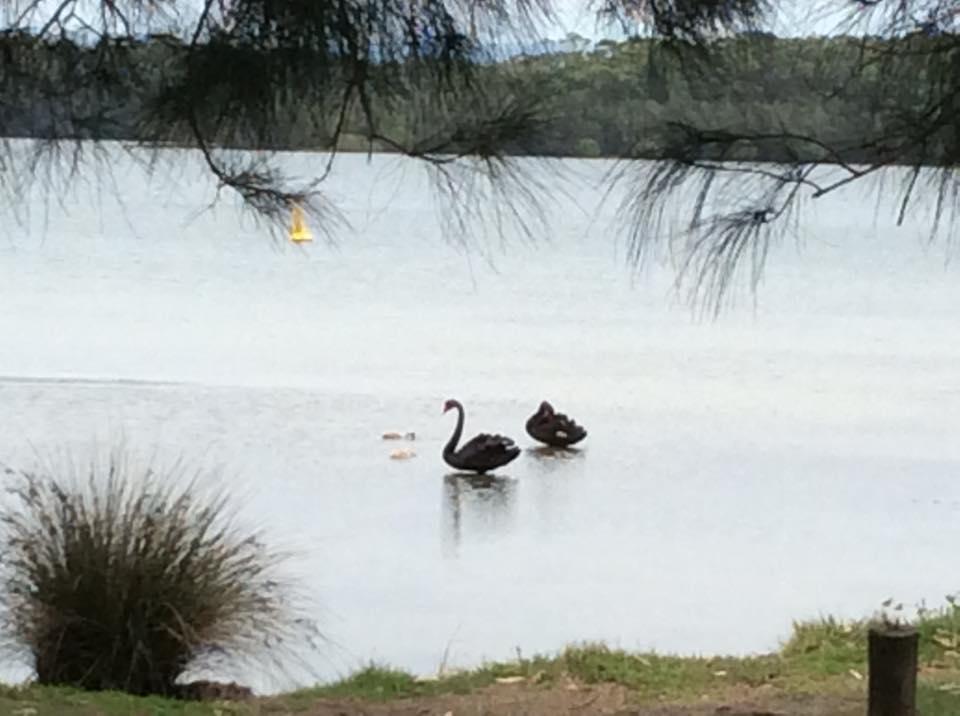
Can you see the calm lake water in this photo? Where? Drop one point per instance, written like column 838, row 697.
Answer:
column 793, row 458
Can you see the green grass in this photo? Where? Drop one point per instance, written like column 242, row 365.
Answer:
column 56, row 701
column 933, row 702
column 671, row 677
column 822, row 657
column 381, row 683
column 830, row 646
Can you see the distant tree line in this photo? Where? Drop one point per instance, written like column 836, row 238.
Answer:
column 789, row 100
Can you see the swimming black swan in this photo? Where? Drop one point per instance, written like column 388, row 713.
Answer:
column 553, row 428
column 480, row 454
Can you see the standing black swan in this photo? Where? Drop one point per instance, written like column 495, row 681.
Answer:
column 553, row 428
column 480, row 454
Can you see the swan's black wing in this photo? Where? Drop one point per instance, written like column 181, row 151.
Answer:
column 568, row 426
column 486, row 452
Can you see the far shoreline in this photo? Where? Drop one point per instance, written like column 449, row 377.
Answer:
column 352, row 148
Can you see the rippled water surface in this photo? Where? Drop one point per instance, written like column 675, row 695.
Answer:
column 794, row 457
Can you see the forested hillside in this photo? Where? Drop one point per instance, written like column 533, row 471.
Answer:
column 786, row 97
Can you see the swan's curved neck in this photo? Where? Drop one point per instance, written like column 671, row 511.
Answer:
column 457, row 431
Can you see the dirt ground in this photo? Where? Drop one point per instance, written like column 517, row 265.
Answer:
column 571, row 700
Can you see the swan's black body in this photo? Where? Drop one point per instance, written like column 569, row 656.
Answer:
column 553, row 428
column 481, row 454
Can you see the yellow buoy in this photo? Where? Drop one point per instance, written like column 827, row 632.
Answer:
column 299, row 232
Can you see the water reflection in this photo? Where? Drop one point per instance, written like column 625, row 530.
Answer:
column 547, row 454
column 481, row 505
column 556, row 461
column 558, row 485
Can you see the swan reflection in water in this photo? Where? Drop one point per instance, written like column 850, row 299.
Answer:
column 547, row 460
column 546, row 453
column 484, row 503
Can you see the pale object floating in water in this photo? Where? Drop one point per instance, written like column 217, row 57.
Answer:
column 402, row 454
column 394, row 435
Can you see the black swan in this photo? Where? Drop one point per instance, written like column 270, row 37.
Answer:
column 480, row 454
column 553, row 428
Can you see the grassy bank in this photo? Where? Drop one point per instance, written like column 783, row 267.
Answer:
column 825, row 658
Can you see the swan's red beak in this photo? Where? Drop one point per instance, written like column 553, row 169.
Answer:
column 447, row 406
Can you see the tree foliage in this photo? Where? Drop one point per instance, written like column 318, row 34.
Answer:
column 883, row 98
column 246, row 72
column 723, row 107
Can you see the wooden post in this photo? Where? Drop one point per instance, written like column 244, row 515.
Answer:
column 892, row 664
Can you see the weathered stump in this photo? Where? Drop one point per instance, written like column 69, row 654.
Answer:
column 892, row 664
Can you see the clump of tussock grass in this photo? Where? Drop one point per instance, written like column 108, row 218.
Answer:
column 124, row 579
